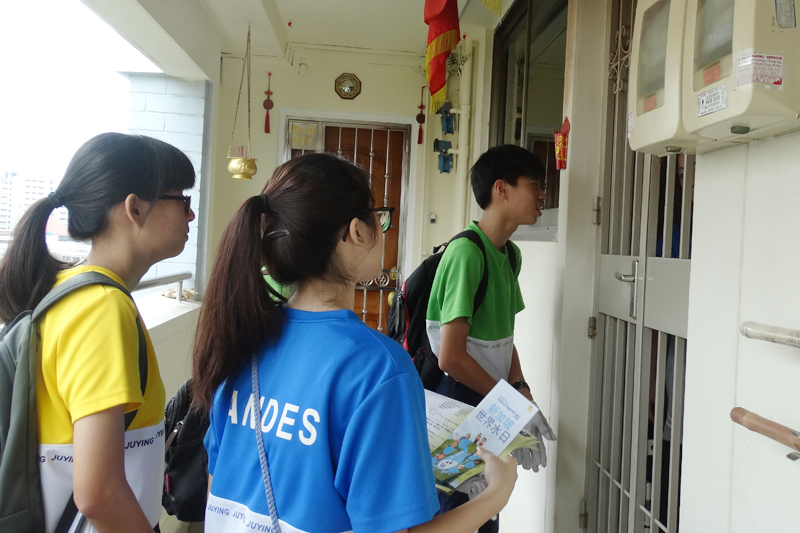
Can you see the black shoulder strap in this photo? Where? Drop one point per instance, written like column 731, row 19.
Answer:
column 176, row 411
column 512, row 256
column 473, row 236
column 59, row 292
column 480, row 294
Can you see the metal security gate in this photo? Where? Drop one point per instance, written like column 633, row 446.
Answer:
column 383, row 151
column 639, row 353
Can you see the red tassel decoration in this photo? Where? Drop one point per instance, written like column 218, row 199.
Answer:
column 268, row 104
column 421, row 115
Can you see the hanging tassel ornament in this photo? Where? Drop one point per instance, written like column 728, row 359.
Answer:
column 268, row 104
column 421, row 115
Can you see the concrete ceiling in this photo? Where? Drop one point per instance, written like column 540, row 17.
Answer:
column 231, row 17
column 379, row 25
column 549, row 48
column 391, row 25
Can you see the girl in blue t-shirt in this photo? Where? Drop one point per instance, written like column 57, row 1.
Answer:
column 317, row 422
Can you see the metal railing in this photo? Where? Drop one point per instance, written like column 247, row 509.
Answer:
column 764, row 332
column 159, row 281
column 753, row 422
column 777, row 432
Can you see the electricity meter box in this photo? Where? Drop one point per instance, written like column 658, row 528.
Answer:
column 741, row 69
column 654, row 92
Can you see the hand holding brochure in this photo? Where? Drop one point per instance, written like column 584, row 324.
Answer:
column 455, row 430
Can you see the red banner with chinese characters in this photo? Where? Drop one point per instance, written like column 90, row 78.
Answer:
column 562, row 140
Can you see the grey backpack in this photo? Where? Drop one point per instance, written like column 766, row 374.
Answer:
column 21, row 505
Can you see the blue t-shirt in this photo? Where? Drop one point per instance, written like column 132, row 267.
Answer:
column 343, row 418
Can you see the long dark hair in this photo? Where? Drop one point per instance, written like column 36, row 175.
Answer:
column 101, row 174
column 292, row 229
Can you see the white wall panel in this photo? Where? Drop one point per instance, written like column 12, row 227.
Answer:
column 764, row 482
column 744, row 264
column 712, row 340
column 533, row 337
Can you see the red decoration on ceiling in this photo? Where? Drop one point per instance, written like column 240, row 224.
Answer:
column 441, row 16
column 421, row 115
column 268, row 104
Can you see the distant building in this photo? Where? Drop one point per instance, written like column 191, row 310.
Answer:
column 17, row 193
column 6, row 182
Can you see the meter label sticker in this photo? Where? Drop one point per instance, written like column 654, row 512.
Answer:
column 759, row 68
column 785, row 13
column 712, row 73
column 650, row 103
column 712, row 101
column 631, row 122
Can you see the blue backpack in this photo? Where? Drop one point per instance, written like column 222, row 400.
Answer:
column 21, row 503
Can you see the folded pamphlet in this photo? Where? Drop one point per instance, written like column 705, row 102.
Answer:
column 456, row 429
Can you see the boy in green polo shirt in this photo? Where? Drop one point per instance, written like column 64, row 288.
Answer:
column 476, row 348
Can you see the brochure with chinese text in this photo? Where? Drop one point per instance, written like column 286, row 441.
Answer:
column 455, row 430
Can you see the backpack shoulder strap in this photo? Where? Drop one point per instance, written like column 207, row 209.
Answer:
column 59, row 292
column 511, row 251
column 480, row 294
column 176, row 410
column 95, row 278
column 142, row 369
column 71, row 285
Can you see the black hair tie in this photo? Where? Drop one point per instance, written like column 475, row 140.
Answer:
column 265, row 203
column 55, row 200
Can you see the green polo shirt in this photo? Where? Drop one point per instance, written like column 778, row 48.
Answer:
column 491, row 335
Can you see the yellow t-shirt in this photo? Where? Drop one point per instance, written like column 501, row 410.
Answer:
column 90, row 362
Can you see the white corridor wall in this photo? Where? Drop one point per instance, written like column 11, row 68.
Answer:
column 526, row 511
column 173, row 110
column 745, row 261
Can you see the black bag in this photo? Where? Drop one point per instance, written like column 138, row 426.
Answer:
column 185, row 461
column 406, row 320
column 21, row 503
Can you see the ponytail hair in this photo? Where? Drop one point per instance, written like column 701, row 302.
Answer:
column 101, row 174
column 27, row 271
column 292, row 230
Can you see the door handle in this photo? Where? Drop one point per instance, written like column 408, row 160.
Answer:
column 630, row 278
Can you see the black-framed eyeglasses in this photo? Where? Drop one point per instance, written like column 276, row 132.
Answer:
column 385, row 216
column 187, row 200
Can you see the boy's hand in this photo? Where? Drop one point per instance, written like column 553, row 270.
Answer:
column 535, row 456
column 476, row 485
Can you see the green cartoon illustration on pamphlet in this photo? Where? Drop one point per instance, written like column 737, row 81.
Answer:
column 496, row 424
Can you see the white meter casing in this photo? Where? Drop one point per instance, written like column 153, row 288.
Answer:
column 655, row 124
column 741, row 69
